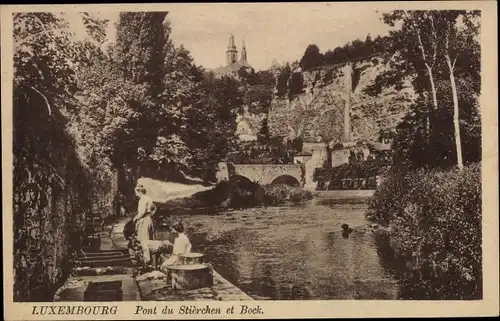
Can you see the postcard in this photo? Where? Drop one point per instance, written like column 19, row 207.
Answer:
column 250, row 160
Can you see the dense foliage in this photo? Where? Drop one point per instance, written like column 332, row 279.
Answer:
column 161, row 115
column 282, row 79
column 85, row 114
column 441, row 51
column 266, row 150
column 366, row 171
column 430, row 202
column 353, row 51
column 51, row 185
column 434, row 224
column 257, row 90
column 296, row 85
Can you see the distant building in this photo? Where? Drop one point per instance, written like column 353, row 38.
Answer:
column 342, row 153
column 248, row 125
column 302, row 158
column 233, row 65
column 275, row 65
column 245, row 130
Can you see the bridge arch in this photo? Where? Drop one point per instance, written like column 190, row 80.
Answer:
column 264, row 174
column 286, row 180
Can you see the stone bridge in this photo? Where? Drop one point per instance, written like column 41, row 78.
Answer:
column 290, row 174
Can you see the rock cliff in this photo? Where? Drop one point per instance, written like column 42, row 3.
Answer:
column 317, row 114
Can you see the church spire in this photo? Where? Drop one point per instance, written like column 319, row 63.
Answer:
column 231, row 41
column 232, row 52
column 243, row 51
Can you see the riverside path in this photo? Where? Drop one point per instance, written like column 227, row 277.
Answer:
column 147, row 287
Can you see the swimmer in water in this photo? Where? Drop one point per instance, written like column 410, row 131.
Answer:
column 346, row 230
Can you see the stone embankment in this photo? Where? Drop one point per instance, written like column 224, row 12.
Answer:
column 147, row 287
column 345, row 196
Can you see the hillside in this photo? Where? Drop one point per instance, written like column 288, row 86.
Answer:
column 316, row 113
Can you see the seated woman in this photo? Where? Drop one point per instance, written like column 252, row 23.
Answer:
column 181, row 246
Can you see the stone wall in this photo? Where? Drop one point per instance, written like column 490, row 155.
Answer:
column 46, row 209
column 318, row 159
column 52, row 194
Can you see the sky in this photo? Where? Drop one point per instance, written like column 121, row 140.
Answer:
column 280, row 31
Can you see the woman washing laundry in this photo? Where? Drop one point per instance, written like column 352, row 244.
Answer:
column 181, row 246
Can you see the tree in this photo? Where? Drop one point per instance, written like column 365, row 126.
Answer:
column 416, row 41
column 282, row 80
column 263, row 136
column 296, row 85
column 226, row 99
column 258, row 98
column 312, row 58
column 368, row 45
column 297, row 144
column 357, row 50
column 51, row 186
column 140, row 48
column 140, row 56
column 258, row 91
column 457, row 41
column 265, row 78
column 185, row 129
column 424, row 46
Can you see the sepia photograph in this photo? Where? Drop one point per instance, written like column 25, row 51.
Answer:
column 246, row 152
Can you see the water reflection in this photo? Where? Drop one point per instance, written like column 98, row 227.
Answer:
column 296, row 252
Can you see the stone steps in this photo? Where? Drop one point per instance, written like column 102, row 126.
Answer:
column 107, row 262
column 104, row 253
column 74, row 289
column 92, row 271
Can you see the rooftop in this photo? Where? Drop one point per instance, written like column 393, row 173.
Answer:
column 234, row 67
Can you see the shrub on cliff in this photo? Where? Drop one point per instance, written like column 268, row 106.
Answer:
column 282, row 81
column 434, row 225
column 312, row 58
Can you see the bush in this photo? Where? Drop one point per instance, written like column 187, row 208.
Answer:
column 234, row 195
column 322, row 177
column 363, row 171
column 281, row 193
column 434, row 225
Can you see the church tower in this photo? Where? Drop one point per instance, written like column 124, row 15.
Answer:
column 232, row 52
column 243, row 51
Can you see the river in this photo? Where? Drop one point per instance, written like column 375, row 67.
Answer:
column 295, row 252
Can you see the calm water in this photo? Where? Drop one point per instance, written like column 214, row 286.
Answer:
column 294, row 252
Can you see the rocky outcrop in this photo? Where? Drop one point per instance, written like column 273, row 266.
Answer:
column 317, row 114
